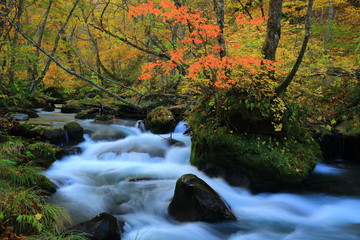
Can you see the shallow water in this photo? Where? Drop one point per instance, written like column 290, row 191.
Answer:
column 134, row 179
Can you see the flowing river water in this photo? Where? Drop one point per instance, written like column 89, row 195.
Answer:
column 134, row 179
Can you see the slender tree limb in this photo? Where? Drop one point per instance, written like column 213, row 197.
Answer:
column 124, row 40
column 106, row 78
column 56, row 44
column 70, row 71
column 283, row 86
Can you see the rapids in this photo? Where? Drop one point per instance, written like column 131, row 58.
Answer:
column 134, row 179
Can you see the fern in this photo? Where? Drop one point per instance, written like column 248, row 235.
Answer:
column 48, row 235
column 24, row 175
column 28, row 212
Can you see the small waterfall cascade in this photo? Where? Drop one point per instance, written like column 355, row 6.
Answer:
column 133, row 178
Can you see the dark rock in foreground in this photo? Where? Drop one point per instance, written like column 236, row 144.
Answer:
column 195, row 200
column 103, row 226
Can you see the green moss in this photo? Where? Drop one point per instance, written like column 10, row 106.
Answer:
column 262, row 158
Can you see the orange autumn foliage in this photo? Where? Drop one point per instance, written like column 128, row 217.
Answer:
column 197, row 50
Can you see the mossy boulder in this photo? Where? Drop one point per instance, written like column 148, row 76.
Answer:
column 74, row 131
column 104, row 119
column 42, row 132
column 48, row 108
column 87, row 114
column 195, row 200
column 72, row 107
column 267, row 161
column 30, row 112
column 160, row 120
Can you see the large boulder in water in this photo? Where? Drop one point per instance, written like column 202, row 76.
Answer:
column 74, row 131
column 103, row 226
column 195, row 200
column 160, row 120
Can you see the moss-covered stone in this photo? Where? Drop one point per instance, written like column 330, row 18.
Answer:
column 87, row 114
column 42, row 132
column 48, row 108
column 266, row 161
column 72, row 107
column 30, row 112
column 160, row 120
column 104, row 118
column 74, row 131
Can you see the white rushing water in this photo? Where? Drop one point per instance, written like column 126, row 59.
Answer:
column 134, row 179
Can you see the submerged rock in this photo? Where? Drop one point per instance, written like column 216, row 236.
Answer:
column 103, row 226
column 195, row 200
column 108, row 134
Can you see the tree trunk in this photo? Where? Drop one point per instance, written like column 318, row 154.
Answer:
column 273, row 30
column 283, row 86
column 220, row 17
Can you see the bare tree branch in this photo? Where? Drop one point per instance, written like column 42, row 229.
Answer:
column 135, row 106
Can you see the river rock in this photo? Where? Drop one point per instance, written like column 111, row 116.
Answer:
column 74, row 131
column 103, row 226
column 17, row 116
column 160, row 120
column 42, row 132
column 152, row 150
column 48, row 108
column 87, row 114
column 108, row 134
column 195, row 200
column 10, row 110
